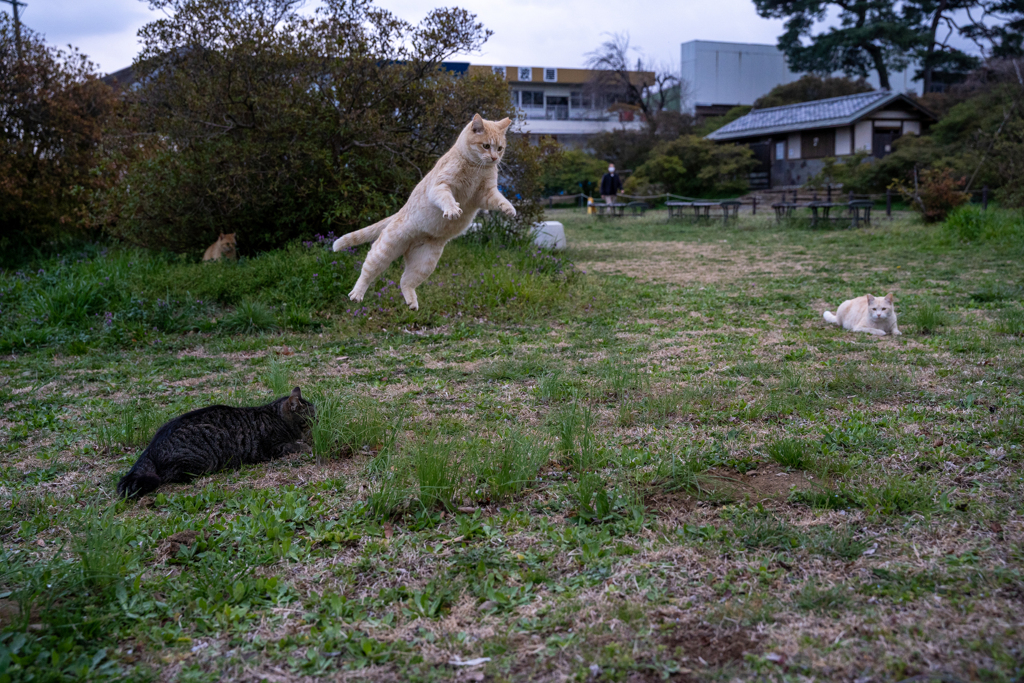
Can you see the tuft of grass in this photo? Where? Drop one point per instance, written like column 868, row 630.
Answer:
column 840, row 543
column 554, row 387
column 899, row 496
column 510, row 465
column 1011, row 321
column 856, row 379
column 998, row 291
column 133, row 426
column 788, row 453
column 277, row 378
column 621, row 378
column 437, row 469
column 576, row 438
column 927, row 318
column 530, row 365
column 826, row 498
column 813, row 598
column 250, row 317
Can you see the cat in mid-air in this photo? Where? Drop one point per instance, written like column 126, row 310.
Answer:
column 871, row 314
column 440, row 208
column 224, row 247
column 217, row 438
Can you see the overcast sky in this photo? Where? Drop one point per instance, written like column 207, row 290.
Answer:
column 526, row 32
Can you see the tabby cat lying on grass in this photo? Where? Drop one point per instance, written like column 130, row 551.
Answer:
column 218, row 438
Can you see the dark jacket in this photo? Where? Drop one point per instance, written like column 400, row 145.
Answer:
column 611, row 184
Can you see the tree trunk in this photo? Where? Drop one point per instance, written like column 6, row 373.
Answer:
column 883, row 71
column 928, row 67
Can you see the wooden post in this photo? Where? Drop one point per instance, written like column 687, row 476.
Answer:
column 888, row 202
column 815, row 198
column 794, row 196
column 851, row 195
column 984, row 198
column 753, row 210
column 829, row 190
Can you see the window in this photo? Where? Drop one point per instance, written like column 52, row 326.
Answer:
column 780, row 150
column 525, row 73
column 498, row 71
column 550, row 75
column 532, row 98
column 576, row 100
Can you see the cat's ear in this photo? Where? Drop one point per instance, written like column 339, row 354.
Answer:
column 871, row 299
column 505, row 123
column 478, row 124
column 888, row 297
column 221, row 237
column 294, row 401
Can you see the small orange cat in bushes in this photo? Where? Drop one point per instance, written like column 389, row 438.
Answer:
column 224, row 247
column 872, row 314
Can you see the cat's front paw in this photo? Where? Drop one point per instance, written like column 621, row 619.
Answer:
column 509, row 210
column 896, row 333
column 453, row 212
column 355, row 296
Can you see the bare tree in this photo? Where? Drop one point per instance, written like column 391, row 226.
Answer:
column 624, row 77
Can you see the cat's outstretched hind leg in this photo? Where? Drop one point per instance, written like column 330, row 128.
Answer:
column 386, row 249
column 420, row 262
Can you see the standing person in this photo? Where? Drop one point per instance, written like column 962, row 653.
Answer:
column 611, row 185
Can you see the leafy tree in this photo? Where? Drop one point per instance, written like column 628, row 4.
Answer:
column 572, row 171
column 934, row 52
column 255, row 119
column 809, row 88
column 53, row 108
column 872, row 35
column 693, row 166
column 998, row 28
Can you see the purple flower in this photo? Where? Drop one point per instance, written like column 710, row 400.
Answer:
column 314, row 274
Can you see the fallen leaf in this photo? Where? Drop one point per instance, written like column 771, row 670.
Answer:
column 995, row 527
column 458, row 661
column 937, row 443
column 41, row 543
column 388, row 531
column 468, row 510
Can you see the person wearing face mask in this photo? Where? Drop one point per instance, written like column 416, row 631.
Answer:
column 611, row 185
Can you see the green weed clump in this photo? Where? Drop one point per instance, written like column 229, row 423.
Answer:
column 788, row 453
column 971, row 223
column 927, row 318
column 1011, row 321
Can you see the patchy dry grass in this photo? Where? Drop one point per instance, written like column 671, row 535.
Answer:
column 679, row 472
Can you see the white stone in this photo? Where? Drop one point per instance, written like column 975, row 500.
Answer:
column 549, row 235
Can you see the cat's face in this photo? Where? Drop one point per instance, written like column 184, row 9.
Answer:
column 296, row 408
column 227, row 243
column 880, row 308
column 484, row 141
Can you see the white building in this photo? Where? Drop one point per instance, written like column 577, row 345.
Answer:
column 721, row 76
column 556, row 102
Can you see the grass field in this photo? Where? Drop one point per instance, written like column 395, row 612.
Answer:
column 657, row 463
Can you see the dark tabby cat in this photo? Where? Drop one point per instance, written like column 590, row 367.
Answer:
column 217, row 438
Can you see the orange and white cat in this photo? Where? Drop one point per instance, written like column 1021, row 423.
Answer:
column 440, row 208
column 871, row 314
column 224, row 247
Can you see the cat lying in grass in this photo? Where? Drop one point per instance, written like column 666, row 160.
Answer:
column 440, row 208
column 871, row 314
column 218, row 438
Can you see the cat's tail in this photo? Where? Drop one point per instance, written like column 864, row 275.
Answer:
column 367, row 234
column 140, row 480
column 829, row 318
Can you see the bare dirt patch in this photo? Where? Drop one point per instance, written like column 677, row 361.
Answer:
column 687, row 262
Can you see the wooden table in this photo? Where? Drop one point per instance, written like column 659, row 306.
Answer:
column 702, row 210
column 613, row 210
column 860, row 211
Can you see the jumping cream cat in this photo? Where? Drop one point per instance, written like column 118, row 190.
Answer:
column 440, row 208
column 871, row 314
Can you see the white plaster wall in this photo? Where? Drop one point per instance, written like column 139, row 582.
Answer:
column 862, row 136
column 794, row 145
column 843, row 141
column 913, row 127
